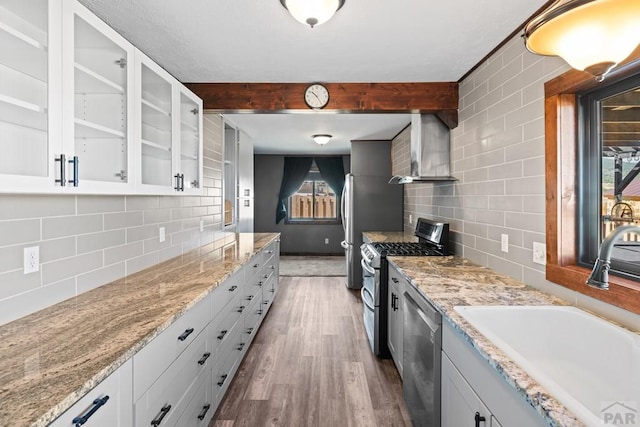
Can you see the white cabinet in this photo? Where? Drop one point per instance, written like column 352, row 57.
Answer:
column 169, row 128
column 238, row 179
column 470, row 385
column 395, row 315
column 110, row 404
column 246, row 196
column 75, row 117
column 30, row 94
column 97, row 104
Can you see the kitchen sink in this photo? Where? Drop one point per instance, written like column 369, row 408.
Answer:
column 588, row 364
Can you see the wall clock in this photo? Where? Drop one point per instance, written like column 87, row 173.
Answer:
column 316, row 96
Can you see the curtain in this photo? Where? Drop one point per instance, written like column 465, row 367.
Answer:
column 332, row 171
column 296, row 170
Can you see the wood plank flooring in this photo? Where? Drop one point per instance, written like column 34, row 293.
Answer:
column 310, row 365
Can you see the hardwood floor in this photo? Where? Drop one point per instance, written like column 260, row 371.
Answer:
column 310, row 365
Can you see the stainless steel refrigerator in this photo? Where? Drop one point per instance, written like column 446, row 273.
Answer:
column 369, row 203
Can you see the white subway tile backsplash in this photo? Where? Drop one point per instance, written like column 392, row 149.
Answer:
column 142, row 203
column 25, row 303
column 504, row 266
column 143, row 232
column 51, row 250
column 140, row 263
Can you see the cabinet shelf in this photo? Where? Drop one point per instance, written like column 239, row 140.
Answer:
column 156, row 108
column 32, row 59
column 155, row 145
column 88, row 81
column 22, row 113
column 188, row 157
column 85, row 129
column 188, row 126
column 10, row 31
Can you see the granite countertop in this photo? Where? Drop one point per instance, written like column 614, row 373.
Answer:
column 451, row 281
column 389, row 236
column 53, row 357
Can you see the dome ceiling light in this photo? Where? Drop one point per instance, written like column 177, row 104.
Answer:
column 312, row 12
column 591, row 35
column 321, row 139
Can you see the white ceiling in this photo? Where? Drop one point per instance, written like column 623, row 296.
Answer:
column 366, row 41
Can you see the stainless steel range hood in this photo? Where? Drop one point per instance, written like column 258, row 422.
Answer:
column 430, row 151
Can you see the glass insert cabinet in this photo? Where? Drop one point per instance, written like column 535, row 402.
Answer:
column 83, row 111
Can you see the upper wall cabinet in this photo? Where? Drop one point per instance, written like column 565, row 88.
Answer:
column 82, row 111
column 169, row 119
column 30, row 93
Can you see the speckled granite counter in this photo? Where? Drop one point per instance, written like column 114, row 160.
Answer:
column 389, row 236
column 51, row 358
column 450, row 281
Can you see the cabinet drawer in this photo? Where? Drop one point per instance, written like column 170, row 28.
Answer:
column 166, row 394
column 111, row 402
column 150, row 362
column 201, row 406
column 252, row 319
column 254, row 266
column 227, row 363
column 269, row 293
column 226, row 292
column 227, row 320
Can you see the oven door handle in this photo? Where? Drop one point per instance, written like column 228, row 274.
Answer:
column 364, row 291
column 366, row 267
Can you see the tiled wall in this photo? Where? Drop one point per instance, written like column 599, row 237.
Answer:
column 497, row 154
column 87, row 241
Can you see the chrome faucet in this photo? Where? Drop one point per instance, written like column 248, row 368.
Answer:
column 599, row 276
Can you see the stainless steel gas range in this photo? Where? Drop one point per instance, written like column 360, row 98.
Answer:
column 433, row 240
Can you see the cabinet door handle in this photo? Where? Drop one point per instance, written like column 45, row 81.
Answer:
column 394, row 280
column 76, row 178
column 204, row 358
column 163, row 413
column 222, row 334
column 179, row 182
column 256, row 265
column 63, row 171
column 249, row 298
column 260, row 284
column 233, row 288
column 240, row 309
column 185, row 334
column 249, row 330
column 205, row 409
column 240, row 346
column 478, row 419
column 222, row 380
column 97, row 404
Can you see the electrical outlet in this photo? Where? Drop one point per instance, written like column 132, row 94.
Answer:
column 410, row 219
column 326, row 241
column 504, row 243
column 31, row 259
column 162, row 236
column 201, row 226
column 540, row 253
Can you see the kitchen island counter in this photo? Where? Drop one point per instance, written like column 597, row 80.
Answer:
column 53, row 357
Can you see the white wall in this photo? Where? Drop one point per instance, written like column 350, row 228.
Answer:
column 87, row 241
column 497, row 154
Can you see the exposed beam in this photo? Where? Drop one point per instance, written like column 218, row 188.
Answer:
column 440, row 98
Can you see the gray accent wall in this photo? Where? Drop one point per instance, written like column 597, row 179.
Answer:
column 88, row 241
column 497, row 153
column 300, row 239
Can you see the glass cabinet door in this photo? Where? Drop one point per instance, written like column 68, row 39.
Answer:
column 25, row 73
column 190, row 158
column 102, row 72
column 156, row 126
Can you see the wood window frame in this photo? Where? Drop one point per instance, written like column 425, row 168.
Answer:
column 561, row 143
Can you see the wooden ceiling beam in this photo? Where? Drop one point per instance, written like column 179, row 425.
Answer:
column 439, row 98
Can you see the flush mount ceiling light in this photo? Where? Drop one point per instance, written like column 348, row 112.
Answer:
column 321, row 139
column 312, row 12
column 591, row 35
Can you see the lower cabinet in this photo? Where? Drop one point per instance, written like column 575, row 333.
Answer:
column 110, row 404
column 471, row 389
column 395, row 315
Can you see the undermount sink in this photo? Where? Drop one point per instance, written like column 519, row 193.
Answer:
column 588, row 364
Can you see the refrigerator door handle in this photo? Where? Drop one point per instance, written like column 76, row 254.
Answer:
column 342, row 209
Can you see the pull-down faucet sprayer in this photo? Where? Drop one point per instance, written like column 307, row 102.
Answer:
column 599, row 276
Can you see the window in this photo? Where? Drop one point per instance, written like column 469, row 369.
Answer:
column 314, row 201
column 608, row 171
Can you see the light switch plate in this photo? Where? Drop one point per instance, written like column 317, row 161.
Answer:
column 504, row 243
column 539, row 253
column 162, row 236
column 201, row 226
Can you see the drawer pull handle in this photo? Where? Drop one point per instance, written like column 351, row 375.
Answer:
column 240, row 346
column 260, row 284
column 272, row 290
column 265, row 302
column 163, row 413
column 233, row 288
column 240, row 309
column 394, row 280
column 479, row 419
column 256, row 265
column 249, row 330
column 269, row 252
column 185, row 334
column 259, row 311
column 205, row 409
column 266, row 276
column 273, row 267
column 97, row 404
column 222, row 380
column 250, row 297
column 222, row 334
column 204, row 358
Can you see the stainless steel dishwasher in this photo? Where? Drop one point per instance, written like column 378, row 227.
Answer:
column 422, row 359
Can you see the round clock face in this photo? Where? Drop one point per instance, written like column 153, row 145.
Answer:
column 316, row 96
